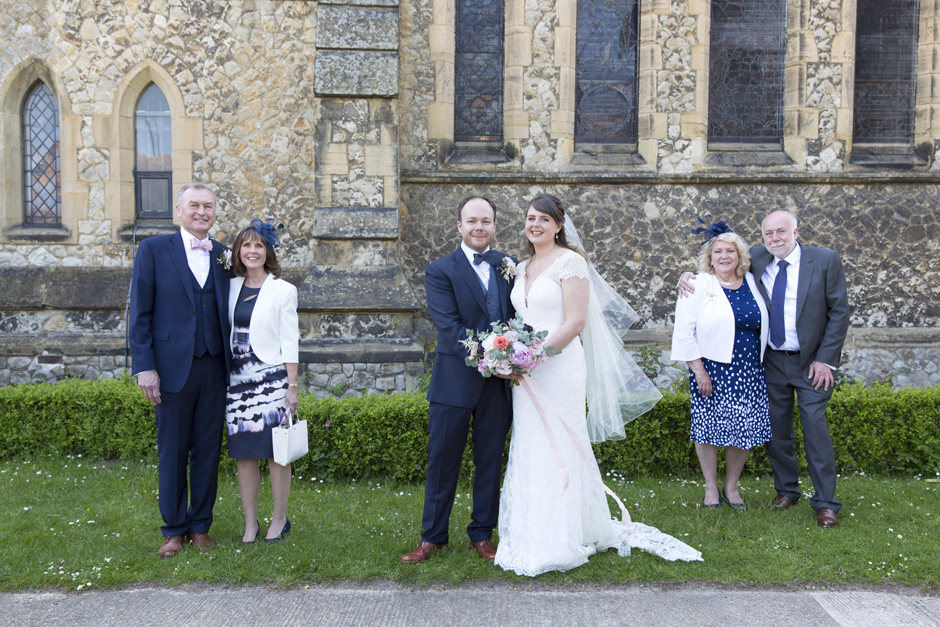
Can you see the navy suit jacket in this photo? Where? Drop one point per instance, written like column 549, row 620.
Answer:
column 457, row 302
column 822, row 303
column 163, row 311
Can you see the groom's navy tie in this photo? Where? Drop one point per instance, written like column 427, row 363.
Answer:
column 492, row 296
column 778, row 334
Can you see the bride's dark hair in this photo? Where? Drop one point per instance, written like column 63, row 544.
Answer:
column 552, row 207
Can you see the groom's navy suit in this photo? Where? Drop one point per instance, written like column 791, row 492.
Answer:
column 457, row 302
column 180, row 329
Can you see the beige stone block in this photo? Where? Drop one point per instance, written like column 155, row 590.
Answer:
column 443, row 13
column 701, row 93
column 324, row 191
column 441, row 42
column 796, row 148
column 794, row 94
column 798, row 14
column 661, row 7
column 922, row 120
column 927, row 89
column 103, row 127
column 646, row 91
column 843, row 47
column 801, row 47
column 928, row 59
column 391, row 191
column 801, row 123
column 127, row 139
column 703, row 24
column 694, row 124
column 928, row 30
column 335, row 160
column 513, row 87
column 700, row 7
column 567, row 84
column 567, row 13
column 515, row 13
column 441, row 120
column 700, row 57
column 444, row 82
column 649, row 150
column 565, row 46
column 562, row 124
column 845, row 118
column 71, row 130
column 516, row 124
column 518, row 46
column 381, row 160
column 649, row 28
column 189, row 132
column 182, row 165
column 652, row 125
column 651, row 57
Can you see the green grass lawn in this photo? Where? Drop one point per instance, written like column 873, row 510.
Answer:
column 68, row 523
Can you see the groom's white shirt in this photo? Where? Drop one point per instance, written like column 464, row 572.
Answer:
column 483, row 269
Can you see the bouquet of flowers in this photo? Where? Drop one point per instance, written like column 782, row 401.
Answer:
column 513, row 347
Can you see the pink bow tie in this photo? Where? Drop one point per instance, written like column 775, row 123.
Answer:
column 203, row 244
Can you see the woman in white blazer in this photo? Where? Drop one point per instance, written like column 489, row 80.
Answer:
column 721, row 332
column 262, row 311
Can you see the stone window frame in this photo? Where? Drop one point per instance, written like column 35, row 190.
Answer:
column 926, row 98
column 116, row 132
column 441, row 110
column 75, row 195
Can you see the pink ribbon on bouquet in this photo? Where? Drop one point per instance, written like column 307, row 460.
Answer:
column 535, row 396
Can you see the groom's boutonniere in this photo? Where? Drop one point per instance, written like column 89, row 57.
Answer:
column 225, row 258
column 507, row 268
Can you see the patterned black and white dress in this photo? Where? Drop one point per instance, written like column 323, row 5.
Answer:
column 255, row 400
column 736, row 413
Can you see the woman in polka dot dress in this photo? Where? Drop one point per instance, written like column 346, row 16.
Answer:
column 721, row 332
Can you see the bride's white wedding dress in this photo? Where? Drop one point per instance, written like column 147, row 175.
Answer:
column 543, row 526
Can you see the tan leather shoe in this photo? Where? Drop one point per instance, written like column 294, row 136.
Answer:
column 826, row 517
column 200, row 540
column 781, row 503
column 421, row 553
column 170, row 547
column 485, row 549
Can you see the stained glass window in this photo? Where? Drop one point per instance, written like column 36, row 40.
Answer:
column 885, row 71
column 154, row 165
column 478, row 71
column 745, row 84
column 605, row 97
column 42, row 192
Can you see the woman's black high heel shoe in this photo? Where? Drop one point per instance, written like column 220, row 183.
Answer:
column 281, row 535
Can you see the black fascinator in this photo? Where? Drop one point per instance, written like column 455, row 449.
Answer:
column 268, row 231
column 713, row 231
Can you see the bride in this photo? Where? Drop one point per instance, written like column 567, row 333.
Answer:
column 553, row 511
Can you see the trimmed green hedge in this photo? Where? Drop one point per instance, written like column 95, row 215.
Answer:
column 874, row 428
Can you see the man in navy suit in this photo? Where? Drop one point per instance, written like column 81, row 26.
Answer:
column 465, row 290
column 179, row 337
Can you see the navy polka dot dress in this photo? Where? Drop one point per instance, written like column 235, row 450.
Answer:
column 736, row 413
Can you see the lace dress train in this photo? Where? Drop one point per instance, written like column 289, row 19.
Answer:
column 544, row 526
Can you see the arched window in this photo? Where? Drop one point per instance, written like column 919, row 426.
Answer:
column 478, row 71
column 746, row 78
column 606, row 93
column 153, row 172
column 885, row 71
column 42, row 190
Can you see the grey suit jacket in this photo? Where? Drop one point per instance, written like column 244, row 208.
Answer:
column 822, row 304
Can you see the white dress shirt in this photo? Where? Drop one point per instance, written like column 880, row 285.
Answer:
column 482, row 270
column 792, row 342
column 198, row 258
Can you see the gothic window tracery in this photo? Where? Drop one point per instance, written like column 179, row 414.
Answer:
column 153, row 170
column 42, row 190
column 478, row 71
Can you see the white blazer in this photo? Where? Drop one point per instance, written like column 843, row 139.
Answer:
column 704, row 325
column 274, row 333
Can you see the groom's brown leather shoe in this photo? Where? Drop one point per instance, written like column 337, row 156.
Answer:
column 781, row 503
column 421, row 553
column 485, row 549
column 200, row 540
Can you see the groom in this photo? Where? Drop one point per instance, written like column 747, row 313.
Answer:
column 465, row 290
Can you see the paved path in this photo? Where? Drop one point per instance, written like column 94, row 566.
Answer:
column 476, row 605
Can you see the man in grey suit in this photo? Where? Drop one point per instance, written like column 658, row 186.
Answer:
column 809, row 315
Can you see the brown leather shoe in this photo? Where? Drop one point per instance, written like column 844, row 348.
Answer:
column 200, row 540
column 826, row 517
column 781, row 503
column 421, row 553
column 485, row 549
column 170, row 547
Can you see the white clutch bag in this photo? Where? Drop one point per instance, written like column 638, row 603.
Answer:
column 290, row 442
